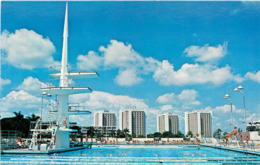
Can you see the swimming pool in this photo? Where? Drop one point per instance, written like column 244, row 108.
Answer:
column 141, row 154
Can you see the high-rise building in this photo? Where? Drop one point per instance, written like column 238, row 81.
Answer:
column 133, row 120
column 168, row 122
column 104, row 118
column 198, row 122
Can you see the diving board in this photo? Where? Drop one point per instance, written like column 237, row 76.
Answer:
column 77, row 75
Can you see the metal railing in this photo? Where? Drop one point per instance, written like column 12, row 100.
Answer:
column 8, row 139
column 72, row 107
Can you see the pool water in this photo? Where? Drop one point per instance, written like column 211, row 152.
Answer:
column 141, row 154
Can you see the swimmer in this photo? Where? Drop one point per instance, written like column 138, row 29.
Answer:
column 229, row 135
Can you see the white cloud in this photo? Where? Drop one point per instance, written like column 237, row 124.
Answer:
column 188, row 95
column 190, row 74
column 4, row 82
column 150, row 65
column 121, row 56
column 250, row 118
column 17, row 101
column 187, row 99
column 168, row 98
column 117, row 54
column 105, row 101
column 128, row 77
column 31, row 85
column 206, row 53
column 98, row 100
column 224, row 109
column 253, row 76
column 166, row 108
column 222, row 117
column 91, row 61
column 27, row 50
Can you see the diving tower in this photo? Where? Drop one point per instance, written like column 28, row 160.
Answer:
column 60, row 131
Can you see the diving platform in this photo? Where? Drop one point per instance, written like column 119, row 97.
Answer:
column 73, row 109
column 74, row 112
column 50, row 130
column 77, row 75
column 60, row 133
column 66, row 90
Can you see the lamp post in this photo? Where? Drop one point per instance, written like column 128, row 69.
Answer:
column 228, row 97
column 240, row 88
column 46, row 95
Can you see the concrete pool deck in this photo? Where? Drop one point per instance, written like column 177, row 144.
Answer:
column 27, row 151
column 235, row 149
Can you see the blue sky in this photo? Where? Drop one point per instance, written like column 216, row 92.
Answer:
column 158, row 56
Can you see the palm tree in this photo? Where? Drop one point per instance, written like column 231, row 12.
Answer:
column 33, row 117
column 126, row 131
column 91, row 133
column 18, row 116
column 118, row 132
column 190, row 134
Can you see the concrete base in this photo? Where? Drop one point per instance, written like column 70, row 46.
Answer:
column 27, row 151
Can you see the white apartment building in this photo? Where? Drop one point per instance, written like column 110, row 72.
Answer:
column 133, row 120
column 104, row 118
column 168, row 122
column 198, row 122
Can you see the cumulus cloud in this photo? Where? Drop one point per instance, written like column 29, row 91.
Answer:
column 27, row 50
column 98, row 100
column 222, row 117
column 132, row 66
column 19, row 101
column 250, row 118
column 128, row 77
column 118, row 54
column 115, row 55
column 4, row 82
column 168, row 98
column 27, row 99
column 186, row 99
column 104, row 101
column 253, row 76
column 166, row 108
column 190, row 74
column 206, row 53
column 224, row 109
column 31, row 85
column 91, row 61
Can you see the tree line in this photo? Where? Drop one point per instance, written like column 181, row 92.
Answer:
column 19, row 123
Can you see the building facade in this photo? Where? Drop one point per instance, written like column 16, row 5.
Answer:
column 104, row 119
column 168, row 122
column 134, row 121
column 198, row 122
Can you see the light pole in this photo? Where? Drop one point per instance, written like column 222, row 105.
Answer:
column 228, row 97
column 46, row 95
column 240, row 88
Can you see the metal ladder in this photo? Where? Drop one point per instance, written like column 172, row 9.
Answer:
column 53, row 137
column 35, row 134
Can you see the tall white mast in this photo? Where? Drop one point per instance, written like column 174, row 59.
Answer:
column 64, row 61
column 62, row 139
